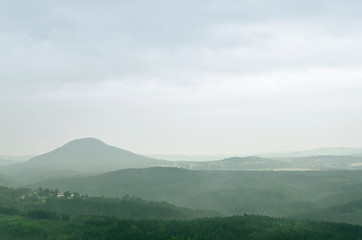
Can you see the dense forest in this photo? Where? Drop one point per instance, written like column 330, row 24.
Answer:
column 38, row 225
column 50, row 214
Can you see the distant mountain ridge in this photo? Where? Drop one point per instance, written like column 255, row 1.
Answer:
column 319, row 162
column 87, row 156
column 337, row 151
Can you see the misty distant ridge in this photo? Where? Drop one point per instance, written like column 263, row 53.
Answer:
column 189, row 157
column 4, row 161
column 336, row 151
column 333, row 151
column 7, row 160
column 92, row 156
column 94, row 145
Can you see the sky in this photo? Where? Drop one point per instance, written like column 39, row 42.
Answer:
column 181, row 77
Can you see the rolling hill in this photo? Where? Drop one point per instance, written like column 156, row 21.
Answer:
column 78, row 157
column 350, row 212
column 337, row 151
column 89, row 156
column 7, row 181
column 12, row 159
column 76, row 204
column 318, row 162
column 274, row 193
column 235, row 163
column 325, row 162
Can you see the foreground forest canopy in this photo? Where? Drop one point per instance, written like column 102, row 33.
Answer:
column 39, row 225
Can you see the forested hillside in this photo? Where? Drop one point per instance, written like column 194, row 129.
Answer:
column 45, row 214
column 76, row 204
column 229, row 192
column 350, row 212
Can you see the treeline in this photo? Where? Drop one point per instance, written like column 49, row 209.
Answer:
column 43, row 225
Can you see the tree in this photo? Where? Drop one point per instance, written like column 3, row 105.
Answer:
column 67, row 194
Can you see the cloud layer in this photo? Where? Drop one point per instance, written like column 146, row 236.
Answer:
column 181, row 77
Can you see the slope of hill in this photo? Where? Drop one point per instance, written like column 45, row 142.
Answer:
column 271, row 193
column 82, row 156
column 326, row 162
column 75, row 204
column 236, row 163
column 91, row 155
column 350, row 212
column 319, row 162
column 7, row 181
column 10, row 159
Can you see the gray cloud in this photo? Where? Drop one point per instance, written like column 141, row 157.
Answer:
column 222, row 76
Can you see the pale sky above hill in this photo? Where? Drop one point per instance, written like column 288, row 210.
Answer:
column 191, row 77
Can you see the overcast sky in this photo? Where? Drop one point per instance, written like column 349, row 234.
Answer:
column 191, row 77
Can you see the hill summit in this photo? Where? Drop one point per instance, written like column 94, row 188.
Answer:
column 91, row 155
column 84, row 143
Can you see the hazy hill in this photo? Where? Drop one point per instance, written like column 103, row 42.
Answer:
column 6, row 181
column 16, row 159
column 319, row 162
column 325, row 162
column 91, row 155
column 315, row 152
column 186, row 157
column 87, row 155
column 236, row 163
column 350, row 212
column 4, row 161
column 229, row 192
